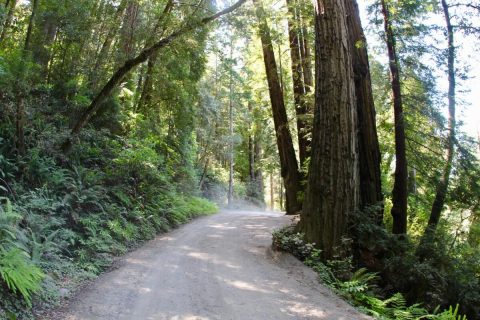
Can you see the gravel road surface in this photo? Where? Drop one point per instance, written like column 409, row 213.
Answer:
column 217, row 267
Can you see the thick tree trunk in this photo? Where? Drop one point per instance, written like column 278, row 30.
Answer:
column 442, row 187
column 299, row 91
column 333, row 180
column 399, row 192
column 368, row 146
column 132, row 63
column 288, row 160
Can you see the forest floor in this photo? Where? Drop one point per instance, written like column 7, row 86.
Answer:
column 216, row 267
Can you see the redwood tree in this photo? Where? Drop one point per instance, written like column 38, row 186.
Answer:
column 442, row 187
column 288, row 160
column 368, row 146
column 333, row 184
column 399, row 192
column 302, row 108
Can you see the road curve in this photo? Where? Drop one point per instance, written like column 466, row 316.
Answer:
column 216, row 267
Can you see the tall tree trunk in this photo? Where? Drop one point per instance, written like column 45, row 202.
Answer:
column 132, row 63
column 272, row 193
column 442, row 186
column 102, row 56
column 146, row 95
column 251, row 159
column 20, row 124
column 288, row 160
column 230, row 129
column 333, row 179
column 306, row 61
column 47, row 27
column 258, row 176
column 412, row 180
column 20, row 109
column 368, row 146
column 280, row 195
column 31, row 22
column 204, row 173
column 399, row 192
column 127, row 31
column 299, row 91
column 10, row 6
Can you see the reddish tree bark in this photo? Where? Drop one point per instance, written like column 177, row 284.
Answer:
column 288, row 160
column 399, row 192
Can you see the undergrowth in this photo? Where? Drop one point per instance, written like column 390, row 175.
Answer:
column 360, row 287
column 64, row 220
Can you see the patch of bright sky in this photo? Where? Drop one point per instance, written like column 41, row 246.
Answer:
column 468, row 91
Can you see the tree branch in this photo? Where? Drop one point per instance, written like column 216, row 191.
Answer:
column 132, row 63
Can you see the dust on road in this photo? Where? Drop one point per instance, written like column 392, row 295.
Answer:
column 217, row 267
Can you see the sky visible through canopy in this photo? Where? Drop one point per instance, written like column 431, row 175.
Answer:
column 468, row 91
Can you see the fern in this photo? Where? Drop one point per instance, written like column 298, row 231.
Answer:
column 450, row 314
column 19, row 274
column 8, row 222
column 358, row 283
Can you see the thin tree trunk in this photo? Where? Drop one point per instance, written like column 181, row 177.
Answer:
column 31, row 21
column 272, row 194
column 42, row 49
column 258, row 176
column 306, row 62
column 288, row 160
column 307, row 72
column 204, row 173
column 127, row 31
column 251, row 159
column 280, row 194
column 299, row 91
column 108, row 41
column 442, row 186
column 333, row 181
column 146, row 95
column 399, row 192
column 412, row 181
column 11, row 5
column 20, row 109
column 132, row 63
column 20, row 125
column 230, row 129
column 368, row 146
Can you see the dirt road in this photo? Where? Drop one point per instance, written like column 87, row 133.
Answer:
column 217, row 267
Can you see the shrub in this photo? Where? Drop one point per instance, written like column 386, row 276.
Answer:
column 360, row 289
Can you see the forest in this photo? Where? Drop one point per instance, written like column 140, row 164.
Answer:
column 123, row 119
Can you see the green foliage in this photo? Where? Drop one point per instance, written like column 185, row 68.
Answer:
column 16, row 268
column 288, row 240
column 19, row 274
column 360, row 289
